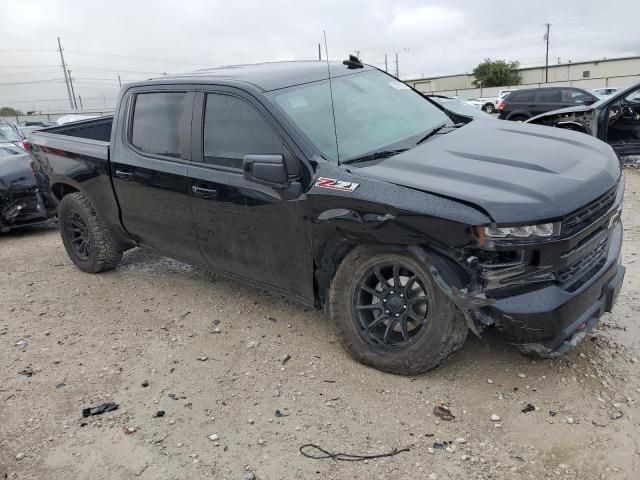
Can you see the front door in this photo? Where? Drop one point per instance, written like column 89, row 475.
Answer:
column 149, row 171
column 244, row 228
column 620, row 123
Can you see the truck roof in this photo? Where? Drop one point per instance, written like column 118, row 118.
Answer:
column 266, row 76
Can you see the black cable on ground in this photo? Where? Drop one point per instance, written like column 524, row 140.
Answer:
column 346, row 457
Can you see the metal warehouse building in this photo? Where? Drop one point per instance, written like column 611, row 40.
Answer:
column 613, row 72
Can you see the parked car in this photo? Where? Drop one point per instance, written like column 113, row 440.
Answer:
column 409, row 228
column 490, row 104
column 605, row 92
column 615, row 120
column 9, row 133
column 527, row 103
column 24, row 198
column 460, row 108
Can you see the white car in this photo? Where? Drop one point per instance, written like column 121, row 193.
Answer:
column 489, row 104
column 605, row 92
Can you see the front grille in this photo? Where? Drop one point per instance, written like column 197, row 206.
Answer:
column 585, row 216
column 590, row 262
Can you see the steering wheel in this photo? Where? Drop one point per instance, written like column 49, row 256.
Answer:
column 628, row 113
column 615, row 113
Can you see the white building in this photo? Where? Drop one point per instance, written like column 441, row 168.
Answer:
column 613, row 72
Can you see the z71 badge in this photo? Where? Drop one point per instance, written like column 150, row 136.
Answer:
column 334, row 184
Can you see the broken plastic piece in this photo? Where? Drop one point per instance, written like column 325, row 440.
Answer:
column 105, row 407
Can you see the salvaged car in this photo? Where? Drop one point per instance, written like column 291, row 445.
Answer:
column 615, row 120
column 24, row 197
column 345, row 189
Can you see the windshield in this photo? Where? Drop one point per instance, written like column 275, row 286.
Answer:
column 8, row 133
column 373, row 111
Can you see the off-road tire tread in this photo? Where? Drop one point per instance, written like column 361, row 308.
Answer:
column 106, row 253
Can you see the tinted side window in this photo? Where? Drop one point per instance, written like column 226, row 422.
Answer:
column 233, row 129
column 575, row 96
column 548, row 96
column 157, row 120
column 520, row 97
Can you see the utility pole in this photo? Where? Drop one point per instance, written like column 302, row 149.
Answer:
column 104, row 100
column 386, row 64
column 319, row 52
column 73, row 92
column 64, row 69
column 546, row 63
column 80, row 99
column 397, row 69
column 119, row 81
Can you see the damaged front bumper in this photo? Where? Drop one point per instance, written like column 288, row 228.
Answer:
column 547, row 317
column 23, row 207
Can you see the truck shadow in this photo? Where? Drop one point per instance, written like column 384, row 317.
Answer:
column 478, row 356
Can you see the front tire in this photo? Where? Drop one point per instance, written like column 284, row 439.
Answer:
column 389, row 313
column 87, row 241
column 489, row 108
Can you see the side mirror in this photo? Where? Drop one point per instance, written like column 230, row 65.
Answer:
column 266, row 169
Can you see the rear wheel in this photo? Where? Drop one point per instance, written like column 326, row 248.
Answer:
column 489, row 108
column 390, row 315
column 87, row 241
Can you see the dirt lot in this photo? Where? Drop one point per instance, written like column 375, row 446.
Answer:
column 210, row 353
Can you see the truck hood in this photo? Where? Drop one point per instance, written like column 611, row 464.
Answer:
column 516, row 173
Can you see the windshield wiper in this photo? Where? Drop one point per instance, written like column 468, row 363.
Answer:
column 435, row 130
column 375, row 155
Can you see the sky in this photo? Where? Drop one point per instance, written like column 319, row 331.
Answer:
column 139, row 39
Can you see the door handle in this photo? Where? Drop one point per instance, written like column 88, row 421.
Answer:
column 204, row 192
column 124, row 175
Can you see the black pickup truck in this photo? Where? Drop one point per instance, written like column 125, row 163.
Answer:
column 354, row 193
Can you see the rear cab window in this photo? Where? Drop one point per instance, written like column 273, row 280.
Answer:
column 157, row 121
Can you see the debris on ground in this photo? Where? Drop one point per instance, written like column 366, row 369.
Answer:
column 249, row 476
column 173, row 396
column 347, row 457
column 253, row 344
column 203, row 358
column 279, row 414
column 105, row 407
column 214, row 437
column 495, row 418
column 27, row 372
column 159, row 414
column 285, row 359
column 530, row 407
column 22, row 343
column 145, row 384
column 19, row 456
column 129, row 430
column 444, row 412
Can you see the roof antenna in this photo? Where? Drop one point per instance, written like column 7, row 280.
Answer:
column 333, row 108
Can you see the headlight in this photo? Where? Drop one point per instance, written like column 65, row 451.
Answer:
column 540, row 230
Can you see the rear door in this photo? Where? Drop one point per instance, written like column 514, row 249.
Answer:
column 149, row 170
column 244, row 228
column 546, row 100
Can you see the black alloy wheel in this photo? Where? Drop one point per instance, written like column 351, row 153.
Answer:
column 392, row 305
column 79, row 235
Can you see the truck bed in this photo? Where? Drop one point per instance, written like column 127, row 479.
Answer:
column 87, row 137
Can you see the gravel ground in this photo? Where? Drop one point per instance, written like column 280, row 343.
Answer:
column 158, row 335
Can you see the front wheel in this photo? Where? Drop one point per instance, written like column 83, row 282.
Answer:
column 489, row 108
column 390, row 315
column 86, row 239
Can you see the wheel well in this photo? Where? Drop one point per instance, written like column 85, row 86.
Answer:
column 61, row 190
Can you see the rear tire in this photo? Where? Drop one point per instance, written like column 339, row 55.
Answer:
column 489, row 108
column 440, row 328
column 87, row 241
